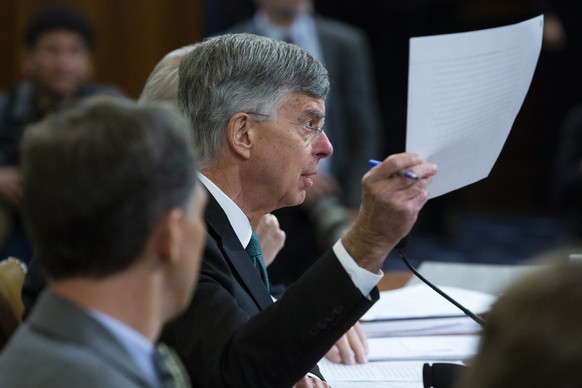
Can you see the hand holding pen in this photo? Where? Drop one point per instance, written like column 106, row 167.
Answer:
column 393, row 192
column 403, row 173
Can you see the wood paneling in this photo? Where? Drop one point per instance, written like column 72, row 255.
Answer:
column 131, row 36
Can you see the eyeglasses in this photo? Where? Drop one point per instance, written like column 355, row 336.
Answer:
column 312, row 132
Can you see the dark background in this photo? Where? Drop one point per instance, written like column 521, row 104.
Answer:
column 133, row 35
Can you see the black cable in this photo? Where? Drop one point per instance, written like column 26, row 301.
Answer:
column 470, row 314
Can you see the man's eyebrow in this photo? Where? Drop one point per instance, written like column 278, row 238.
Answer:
column 313, row 112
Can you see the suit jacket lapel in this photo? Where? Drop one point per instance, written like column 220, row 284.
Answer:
column 220, row 229
column 60, row 319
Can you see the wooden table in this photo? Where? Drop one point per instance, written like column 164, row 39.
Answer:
column 393, row 280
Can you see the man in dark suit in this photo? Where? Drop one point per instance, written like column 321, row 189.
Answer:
column 257, row 106
column 112, row 201
column 352, row 125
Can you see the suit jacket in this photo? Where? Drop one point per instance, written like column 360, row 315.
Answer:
column 352, row 116
column 233, row 335
column 60, row 345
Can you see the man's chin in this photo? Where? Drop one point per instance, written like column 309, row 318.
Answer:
column 298, row 200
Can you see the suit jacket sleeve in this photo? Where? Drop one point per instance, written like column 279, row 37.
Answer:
column 225, row 340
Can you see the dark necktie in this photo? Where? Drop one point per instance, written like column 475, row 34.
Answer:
column 255, row 253
column 170, row 369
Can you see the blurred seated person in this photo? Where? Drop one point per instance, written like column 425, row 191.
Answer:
column 568, row 173
column 533, row 336
column 352, row 125
column 115, row 210
column 58, row 43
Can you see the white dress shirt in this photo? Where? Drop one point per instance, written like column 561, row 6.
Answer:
column 363, row 279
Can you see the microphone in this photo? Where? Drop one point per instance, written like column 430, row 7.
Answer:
column 438, row 375
column 402, row 244
column 401, row 247
column 441, row 374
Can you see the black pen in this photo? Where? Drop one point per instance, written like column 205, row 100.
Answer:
column 403, row 173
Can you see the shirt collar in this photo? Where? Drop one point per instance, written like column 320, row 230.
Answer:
column 139, row 346
column 238, row 220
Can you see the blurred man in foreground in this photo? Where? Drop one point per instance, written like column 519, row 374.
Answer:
column 115, row 211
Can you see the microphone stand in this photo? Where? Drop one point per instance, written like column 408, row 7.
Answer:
column 401, row 247
column 438, row 375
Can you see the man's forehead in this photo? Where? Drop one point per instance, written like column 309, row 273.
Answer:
column 304, row 104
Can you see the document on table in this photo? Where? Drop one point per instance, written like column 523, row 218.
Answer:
column 384, row 374
column 420, row 327
column 420, row 301
column 373, row 371
column 464, row 93
column 437, row 347
column 418, row 310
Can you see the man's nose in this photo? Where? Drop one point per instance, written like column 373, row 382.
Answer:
column 322, row 147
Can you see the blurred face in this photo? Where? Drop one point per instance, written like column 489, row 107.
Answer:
column 59, row 62
column 194, row 237
column 288, row 151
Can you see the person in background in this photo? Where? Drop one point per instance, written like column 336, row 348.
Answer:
column 115, row 211
column 57, row 63
column 257, row 106
column 352, row 125
column 533, row 337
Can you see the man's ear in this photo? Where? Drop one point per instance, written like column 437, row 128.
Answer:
column 169, row 236
column 241, row 134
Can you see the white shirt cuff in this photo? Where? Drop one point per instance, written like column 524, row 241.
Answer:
column 363, row 279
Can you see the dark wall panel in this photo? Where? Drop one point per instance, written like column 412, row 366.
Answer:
column 131, row 36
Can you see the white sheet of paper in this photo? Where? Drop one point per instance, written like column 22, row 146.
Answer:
column 378, row 384
column 421, row 301
column 437, row 347
column 397, row 373
column 464, row 93
column 421, row 327
column 372, row 371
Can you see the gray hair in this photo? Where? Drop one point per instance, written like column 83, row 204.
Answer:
column 162, row 83
column 234, row 73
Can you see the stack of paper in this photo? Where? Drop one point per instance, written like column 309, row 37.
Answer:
column 440, row 347
column 419, row 310
column 423, row 326
column 393, row 374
